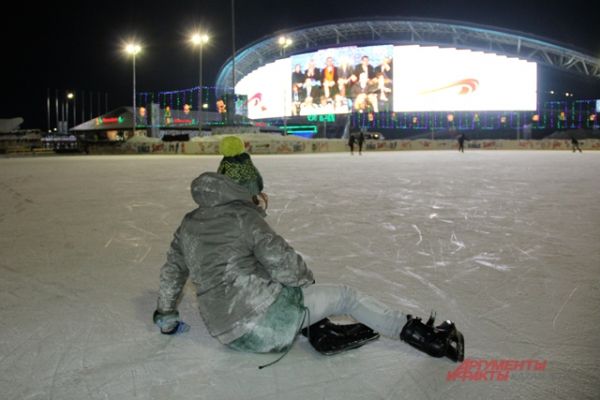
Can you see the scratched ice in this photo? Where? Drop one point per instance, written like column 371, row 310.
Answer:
column 504, row 243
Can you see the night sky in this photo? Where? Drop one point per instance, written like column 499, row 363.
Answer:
column 78, row 44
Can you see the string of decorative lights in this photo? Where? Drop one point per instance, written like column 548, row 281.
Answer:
column 552, row 115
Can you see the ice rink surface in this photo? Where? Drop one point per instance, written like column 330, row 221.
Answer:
column 504, row 243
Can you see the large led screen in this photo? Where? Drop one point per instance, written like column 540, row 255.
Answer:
column 389, row 78
column 447, row 79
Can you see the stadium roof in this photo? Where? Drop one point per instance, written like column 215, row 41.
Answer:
column 408, row 31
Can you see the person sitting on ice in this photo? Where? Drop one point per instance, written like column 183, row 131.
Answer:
column 255, row 292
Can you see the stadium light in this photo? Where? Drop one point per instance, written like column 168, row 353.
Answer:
column 133, row 49
column 199, row 39
column 285, row 41
column 70, row 96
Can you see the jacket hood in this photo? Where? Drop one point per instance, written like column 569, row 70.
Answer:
column 213, row 189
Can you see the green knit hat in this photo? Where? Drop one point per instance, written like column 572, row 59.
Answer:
column 231, row 146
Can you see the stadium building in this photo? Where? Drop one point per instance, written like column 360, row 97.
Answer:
column 409, row 77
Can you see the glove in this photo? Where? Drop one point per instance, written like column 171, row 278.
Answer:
column 181, row 327
column 169, row 323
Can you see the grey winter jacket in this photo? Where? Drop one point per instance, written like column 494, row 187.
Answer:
column 237, row 263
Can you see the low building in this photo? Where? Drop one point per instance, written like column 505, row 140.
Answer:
column 117, row 125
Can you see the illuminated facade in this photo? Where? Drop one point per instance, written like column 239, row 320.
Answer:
column 441, row 75
column 461, row 35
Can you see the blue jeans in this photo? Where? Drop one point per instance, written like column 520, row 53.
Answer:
column 325, row 300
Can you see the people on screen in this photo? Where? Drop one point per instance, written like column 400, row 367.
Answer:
column 364, row 93
column 312, row 80
column 342, row 87
column 344, row 73
column 329, row 78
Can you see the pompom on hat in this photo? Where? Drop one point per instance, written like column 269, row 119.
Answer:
column 231, row 146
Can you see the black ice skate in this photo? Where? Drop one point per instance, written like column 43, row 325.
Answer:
column 329, row 338
column 443, row 340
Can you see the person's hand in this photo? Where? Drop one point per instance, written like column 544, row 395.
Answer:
column 181, row 327
column 263, row 200
column 169, row 323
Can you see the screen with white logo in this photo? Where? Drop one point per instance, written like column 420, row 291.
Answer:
column 448, row 79
column 268, row 89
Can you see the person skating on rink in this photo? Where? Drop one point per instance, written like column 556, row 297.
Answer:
column 255, row 292
column 575, row 144
column 461, row 142
column 351, row 141
column 361, row 140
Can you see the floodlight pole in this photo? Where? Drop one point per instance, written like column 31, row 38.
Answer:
column 200, row 93
column 284, row 99
column 199, row 39
column 67, row 112
column 284, row 42
column 233, row 46
column 56, row 107
column 48, row 109
column 134, row 111
column 132, row 49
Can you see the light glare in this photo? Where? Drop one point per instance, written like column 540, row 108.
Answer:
column 285, row 41
column 198, row 38
column 133, row 48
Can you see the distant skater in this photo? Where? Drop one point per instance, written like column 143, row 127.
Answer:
column 575, row 144
column 461, row 142
column 351, row 142
column 361, row 140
